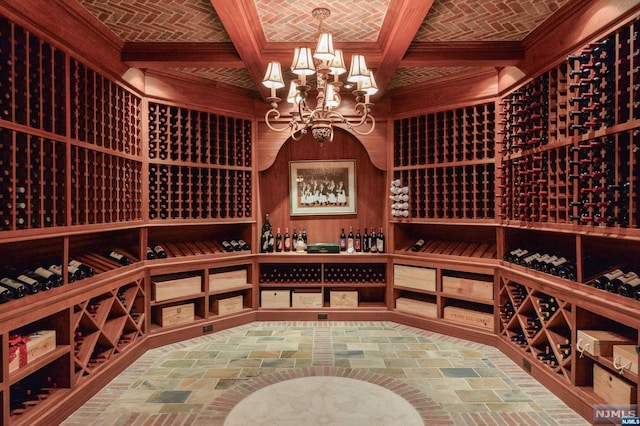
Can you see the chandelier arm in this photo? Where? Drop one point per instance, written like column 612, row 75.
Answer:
column 276, row 116
column 354, row 127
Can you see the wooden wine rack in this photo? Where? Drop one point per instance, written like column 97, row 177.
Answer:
column 446, row 160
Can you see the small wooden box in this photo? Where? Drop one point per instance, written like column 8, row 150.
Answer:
column 612, row 388
column 414, row 277
column 600, row 342
column 306, row 299
column 469, row 317
column 416, row 307
column 275, row 299
column 343, row 299
column 179, row 287
column 35, row 346
column 175, row 315
column 230, row 279
column 228, row 305
column 626, row 355
column 468, row 287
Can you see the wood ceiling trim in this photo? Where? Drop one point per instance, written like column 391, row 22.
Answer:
column 154, row 55
column 444, row 54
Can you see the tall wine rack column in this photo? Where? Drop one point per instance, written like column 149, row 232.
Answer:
column 200, row 165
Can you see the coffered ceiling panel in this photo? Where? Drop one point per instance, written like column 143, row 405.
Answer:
column 404, row 77
column 291, row 20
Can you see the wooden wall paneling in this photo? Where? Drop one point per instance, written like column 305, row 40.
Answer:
column 371, row 188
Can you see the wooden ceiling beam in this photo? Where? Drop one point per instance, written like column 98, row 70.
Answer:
column 154, row 55
column 463, row 54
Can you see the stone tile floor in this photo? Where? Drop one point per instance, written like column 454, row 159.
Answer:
column 199, row 381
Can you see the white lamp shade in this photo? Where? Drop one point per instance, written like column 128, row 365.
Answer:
column 292, row 96
column 324, row 49
column 331, row 98
column 369, row 85
column 273, row 76
column 358, row 71
column 303, row 61
column 337, row 63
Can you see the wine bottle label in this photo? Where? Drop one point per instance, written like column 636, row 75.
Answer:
column 116, row 255
column 614, row 274
column 28, row 280
column 380, row 245
column 72, row 269
column 11, row 283
column 45, row 273
column 75, row 264
column 532, row 257
column 626, row 278
column 56, row 269
column 559, row 261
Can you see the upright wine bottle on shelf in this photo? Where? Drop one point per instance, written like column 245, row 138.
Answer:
column 380, row 243
column 266, row 237
column 278, row 241
column 366, row 242
column 373, row 241
column 350, row 240
column 294, row 239
column 343, row 241
column 358, row 241
column 286, row 240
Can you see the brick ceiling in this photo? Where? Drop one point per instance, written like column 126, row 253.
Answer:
column 242, row 34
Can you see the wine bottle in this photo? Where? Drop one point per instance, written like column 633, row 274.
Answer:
column 265, row 238
column 5, row 295
column 75, row 272
column 418, row 245
column 343, row 241
column 278, row 241
column 602, row 281
column 629, row 288
column 294, row 239
column 366, row 242
column 118, row 257
column 380, row 243
column 227, row 246
column 56, row 268
column 358, row 241
column 287, row 240
column 304, row 236
column 16, row 288
column 373, row 241
column 244, row 245
column 151, row 254
column 613, row 286
column 160, row 253
column 235, row 245
column 55, row 279
column 350, row 241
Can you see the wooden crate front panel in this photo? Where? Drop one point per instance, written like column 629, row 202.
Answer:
column 36, row 345
column 468, row 287
column 600, row 342
column 627, row 356
column 179, row 287
column 275, row 299
column 469, row 317
column 612, row 388
column 228, row 305
column 416, row 307
column 176, row 315
column 343, row 299
column 230, row 279
column 414, row 277
column 306, row 299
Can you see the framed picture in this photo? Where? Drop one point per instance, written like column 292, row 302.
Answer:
column 322, row 187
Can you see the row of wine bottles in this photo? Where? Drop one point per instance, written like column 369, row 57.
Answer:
column 277, row 242
column 549, row 263
column 369, row 242
column 619, row 281
column 315, row 273
column 235, row 245
column 29, row 391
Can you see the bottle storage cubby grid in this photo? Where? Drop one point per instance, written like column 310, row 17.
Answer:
column 32, row 80
column 455, row 192
column 105, row 188
column 180, row 134
column 444, row 137
column 103, row 114
column 32, row 181
column 326, row 273
column 538, row 323
column 567, row 151
column 106, row 325
column 183, row 192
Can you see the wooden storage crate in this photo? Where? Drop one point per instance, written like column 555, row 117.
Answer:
column 626, row 356
column 228, row 305
column 468, row 287
column 414, row 277
column 229, row 279
column 612, row 388
column 31, row 348
column 176, row 315
column 179, row 287
column 599, row 342
column 416, row 307
column 306, row 298
column 343, row 299
column 275, row 299
column 470, row 317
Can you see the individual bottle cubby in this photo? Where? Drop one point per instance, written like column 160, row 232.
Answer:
column 106, row 325
column 198, row 240
column 32, row 80
column 448, row 240
column 105, row 251
column 185, row 192
column 32, row 181
column 443, row 137
column 105, row 188
column 539, row 324
column 453, row 192
column 181, row 134
column 273, row 273
column 371, row 273
column 103, row 113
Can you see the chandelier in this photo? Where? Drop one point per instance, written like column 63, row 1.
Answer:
column 328, row 64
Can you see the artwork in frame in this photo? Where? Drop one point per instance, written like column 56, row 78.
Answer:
column 322, row 187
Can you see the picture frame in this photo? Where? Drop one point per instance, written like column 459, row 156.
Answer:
column 322, row 187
